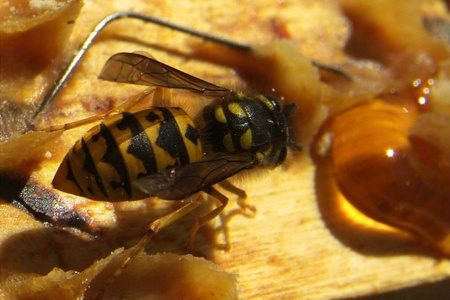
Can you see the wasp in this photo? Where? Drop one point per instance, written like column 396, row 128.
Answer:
column 161, row 151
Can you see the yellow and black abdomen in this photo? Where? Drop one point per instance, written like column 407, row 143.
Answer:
column 103, row 164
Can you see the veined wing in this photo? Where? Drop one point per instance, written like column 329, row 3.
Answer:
column 137, row 68
column 185, row 180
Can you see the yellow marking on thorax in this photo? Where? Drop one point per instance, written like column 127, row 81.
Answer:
column 236, row 109
column 228, row 143
column 246, row 140
column 220, row 115
column 266, row 102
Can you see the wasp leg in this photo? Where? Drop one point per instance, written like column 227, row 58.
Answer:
column 242, row 197
column 121, row 108
column 208, row 217
column 132, row 102
column 153, row 228
column 164, row 221
column 128, row 255
column 161, row 97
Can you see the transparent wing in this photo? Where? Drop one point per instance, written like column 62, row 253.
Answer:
column 182, row 181
column 137, row 68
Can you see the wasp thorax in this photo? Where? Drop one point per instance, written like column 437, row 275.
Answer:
column 247, row 124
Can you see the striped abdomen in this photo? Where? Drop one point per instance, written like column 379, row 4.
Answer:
column 103, row 164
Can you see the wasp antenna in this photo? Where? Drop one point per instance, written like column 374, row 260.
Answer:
column 122, row 15
column 289, row 109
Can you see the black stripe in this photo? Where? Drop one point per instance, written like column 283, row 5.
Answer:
column 170, row 137
column 192, row 134
column 237, row 125
column 152, row 117
column 70, row 176
column 114, row 158
column 89, row 166
column 140, row 146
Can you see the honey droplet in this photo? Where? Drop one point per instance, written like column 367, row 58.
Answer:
column 383, row 165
